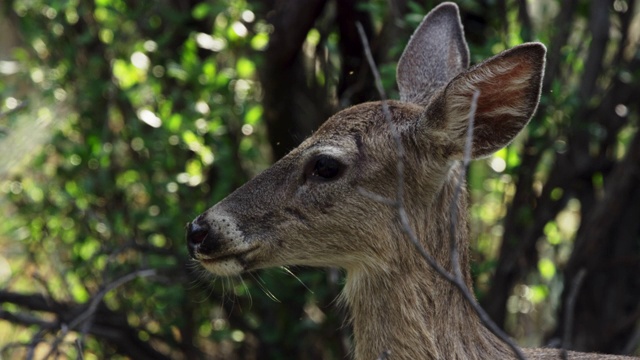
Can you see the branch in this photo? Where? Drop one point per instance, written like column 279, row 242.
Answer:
column 26, row 319
column 633, row 342
column 456, row 279
column 517, row 250
column 525, row 20
column 20, row 106
column 597, row 226
column 108, row 325
column 570, row 309
column 85, row 318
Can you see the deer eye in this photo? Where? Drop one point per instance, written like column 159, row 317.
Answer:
column 324, row 168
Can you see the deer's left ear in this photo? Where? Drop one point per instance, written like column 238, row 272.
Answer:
column 509, row 90
column 435, row 54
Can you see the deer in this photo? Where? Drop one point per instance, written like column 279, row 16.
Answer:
column 314, row 206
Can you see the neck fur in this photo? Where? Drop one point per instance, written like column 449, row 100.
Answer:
column 409, row 310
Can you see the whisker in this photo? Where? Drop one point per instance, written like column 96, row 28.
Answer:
column 286, row 270
column 201, row 279
column 246, row 288
column 264, row 289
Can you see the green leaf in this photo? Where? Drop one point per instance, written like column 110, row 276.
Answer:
column 546, row 268
column 201, row 11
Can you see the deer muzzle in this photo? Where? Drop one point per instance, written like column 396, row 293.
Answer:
column 218, row 245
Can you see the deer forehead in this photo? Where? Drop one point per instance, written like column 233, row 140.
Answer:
column 364, row 121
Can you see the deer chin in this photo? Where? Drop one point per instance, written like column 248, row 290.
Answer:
column 227, row 265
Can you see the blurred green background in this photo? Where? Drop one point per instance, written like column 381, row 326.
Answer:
column 120, row 121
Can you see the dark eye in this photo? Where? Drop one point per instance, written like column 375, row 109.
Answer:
column 324, row 168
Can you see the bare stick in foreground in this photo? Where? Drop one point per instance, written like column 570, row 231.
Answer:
column 457, row 278
column 307, row 210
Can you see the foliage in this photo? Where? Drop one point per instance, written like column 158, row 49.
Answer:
column 159, row 121
column 127, row 119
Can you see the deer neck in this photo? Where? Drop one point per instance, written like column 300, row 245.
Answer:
column 406, row 308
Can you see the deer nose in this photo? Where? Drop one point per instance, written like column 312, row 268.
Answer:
column 196, row 236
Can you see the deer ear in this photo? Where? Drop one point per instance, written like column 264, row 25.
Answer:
column 509, row 90
column 435, row 54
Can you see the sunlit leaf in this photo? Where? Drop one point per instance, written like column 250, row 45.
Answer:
column 259, row 41
column 245, row 68
column 201, row 10
column 253, row 115
column 547, row 268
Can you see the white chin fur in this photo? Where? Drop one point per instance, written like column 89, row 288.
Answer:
column 227, row 267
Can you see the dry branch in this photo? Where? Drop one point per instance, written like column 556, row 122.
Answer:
column 93, row 318
column 455, row 279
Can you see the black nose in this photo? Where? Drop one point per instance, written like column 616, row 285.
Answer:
column 196, row 236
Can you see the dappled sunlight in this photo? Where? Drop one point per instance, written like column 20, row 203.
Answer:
column 121, row 121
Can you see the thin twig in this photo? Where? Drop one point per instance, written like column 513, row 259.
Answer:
column 20, row 106
column 38, row 338
column 79, row 347
column 569, row 312
column 457, row 279
column 101, row 294
column 455, row 255
column 377, row 197
column 84, row 317
column 634, row 341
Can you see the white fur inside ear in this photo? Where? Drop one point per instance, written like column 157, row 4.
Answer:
column 495, row 94
column 509, row 89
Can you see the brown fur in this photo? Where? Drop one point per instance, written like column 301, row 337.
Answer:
column 289, row 215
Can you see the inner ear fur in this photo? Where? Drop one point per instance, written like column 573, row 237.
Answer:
column 509, row 87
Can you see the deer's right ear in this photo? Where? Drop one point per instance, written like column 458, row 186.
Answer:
column 435, row 54
column 508, row 87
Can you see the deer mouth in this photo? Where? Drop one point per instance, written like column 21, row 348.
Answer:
column 227, row 264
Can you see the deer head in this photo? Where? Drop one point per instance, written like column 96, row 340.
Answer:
column 307, row 208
